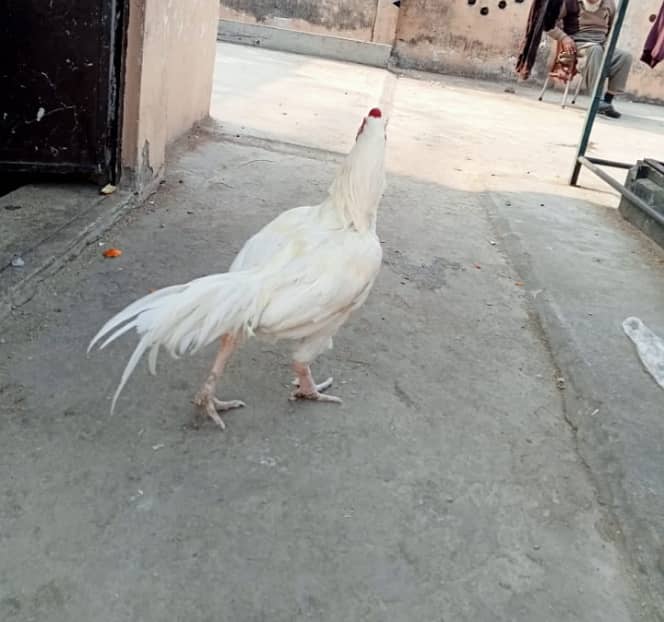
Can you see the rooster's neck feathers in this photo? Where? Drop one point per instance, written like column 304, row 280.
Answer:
column 358, row 187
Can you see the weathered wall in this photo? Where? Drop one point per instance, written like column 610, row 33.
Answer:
column 454, row 36
column 451, row 35
column 644, row 82
column 170, row 64
column 346, row 18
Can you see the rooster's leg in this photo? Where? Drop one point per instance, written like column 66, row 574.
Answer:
column 205, row 398
column 308, row 389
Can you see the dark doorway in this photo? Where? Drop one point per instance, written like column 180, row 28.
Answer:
column 61, row 87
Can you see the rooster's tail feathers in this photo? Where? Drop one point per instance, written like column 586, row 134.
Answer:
column 185, row 318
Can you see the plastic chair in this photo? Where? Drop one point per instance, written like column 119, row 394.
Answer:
column 565, row 68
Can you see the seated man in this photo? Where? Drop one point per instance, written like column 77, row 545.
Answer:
column 583, row 27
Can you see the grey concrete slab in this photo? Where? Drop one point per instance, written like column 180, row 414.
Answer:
column 587, row 271
column 457, row 483
column 448, row 486
column 31, row 214
column 292, row 98
column 45, row 225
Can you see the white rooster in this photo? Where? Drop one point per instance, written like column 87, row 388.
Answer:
column 298, row 279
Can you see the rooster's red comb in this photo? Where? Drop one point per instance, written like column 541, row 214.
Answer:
column 376, row 113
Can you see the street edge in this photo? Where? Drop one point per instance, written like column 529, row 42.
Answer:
column 580, row 400
column 62, row 247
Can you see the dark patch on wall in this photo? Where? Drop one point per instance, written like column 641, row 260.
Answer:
column 419, row 21
column 421, row 39
column 452, row 37
column 431, row 10
column 332, row 14
column 471, row 48
column 403, row 56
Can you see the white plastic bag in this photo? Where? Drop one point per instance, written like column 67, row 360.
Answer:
column 649, row 346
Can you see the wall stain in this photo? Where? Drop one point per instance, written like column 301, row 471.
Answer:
column 333, row 14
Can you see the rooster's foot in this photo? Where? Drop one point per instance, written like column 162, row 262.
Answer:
column 323, row 386
column 307, row 389
column 316, row 396
column 315, row 392
column 211, row 406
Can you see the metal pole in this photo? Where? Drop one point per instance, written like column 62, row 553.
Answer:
column 597, row 90
column 611, row 163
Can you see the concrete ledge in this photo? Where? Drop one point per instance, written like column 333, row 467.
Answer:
column 336, row 48
column 45, row 255
column 637, row 217
column 647, row 183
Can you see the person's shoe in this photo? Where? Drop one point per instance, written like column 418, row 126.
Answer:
column 608, row 110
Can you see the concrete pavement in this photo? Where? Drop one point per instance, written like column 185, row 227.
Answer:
column 585, row 270
column 457, row 482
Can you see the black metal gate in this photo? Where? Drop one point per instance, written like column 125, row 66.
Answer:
column 60, row 86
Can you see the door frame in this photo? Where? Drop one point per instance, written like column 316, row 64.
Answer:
column 118, row 74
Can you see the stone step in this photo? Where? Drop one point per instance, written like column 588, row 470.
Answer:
column 651, row 192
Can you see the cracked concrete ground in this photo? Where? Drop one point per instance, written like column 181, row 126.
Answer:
column 456, row 483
